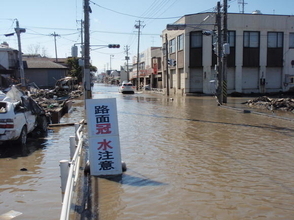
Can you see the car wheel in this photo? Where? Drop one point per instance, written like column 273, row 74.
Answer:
column 22, row 139
column 43, row 124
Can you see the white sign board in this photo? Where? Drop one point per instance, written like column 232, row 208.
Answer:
column 104, row 145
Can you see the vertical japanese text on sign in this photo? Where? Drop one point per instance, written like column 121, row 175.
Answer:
column 103, row 125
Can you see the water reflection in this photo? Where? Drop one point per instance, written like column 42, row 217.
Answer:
column 14, row 151
column 134, row 180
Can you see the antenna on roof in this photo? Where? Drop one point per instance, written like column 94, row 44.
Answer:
column 242, row 3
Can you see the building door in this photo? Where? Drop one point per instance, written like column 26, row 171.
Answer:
column 196, row 80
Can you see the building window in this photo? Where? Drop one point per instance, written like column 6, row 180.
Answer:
column 291, row 40
column 196, row 39
column 251, row 39
column 275, row 49
column 164, row 49
column 172, row 46
column 275, row 39
column 232, row 38
column 251, row 50
column 196, row 54
column 231, row 58
column 142, row 66
column 181, row 42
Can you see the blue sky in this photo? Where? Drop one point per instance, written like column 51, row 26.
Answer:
column 111, row 22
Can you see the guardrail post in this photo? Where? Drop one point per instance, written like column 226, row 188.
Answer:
column 64, row 168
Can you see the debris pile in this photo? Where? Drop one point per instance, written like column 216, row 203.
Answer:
column 55, row 102
column 53, row 94
column 264, row 102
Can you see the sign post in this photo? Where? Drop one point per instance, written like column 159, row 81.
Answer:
column 103, row 133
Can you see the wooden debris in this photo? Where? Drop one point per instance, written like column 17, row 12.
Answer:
column 272, row 104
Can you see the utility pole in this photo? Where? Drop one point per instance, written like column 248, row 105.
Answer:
column 127, row 48
column 138, row 26
column 55, row 35
column 82, row 39
column 87, row 83
column 224, row 54
column 219, row 56
column 19, row 30
column 166, row 61
column 110, row 62
column 241, row 2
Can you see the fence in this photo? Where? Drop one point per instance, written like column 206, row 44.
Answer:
column 70, row 176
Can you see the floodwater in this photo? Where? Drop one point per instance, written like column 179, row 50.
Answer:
column 30, row 176
column 189, row 159
column 186, row 158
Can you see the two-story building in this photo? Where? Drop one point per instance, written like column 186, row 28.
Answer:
column 261, row 57
column 8, row 65
column 149, row 72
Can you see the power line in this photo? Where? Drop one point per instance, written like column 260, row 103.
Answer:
column 111, row 32
column 53, row 28
column 134, row 16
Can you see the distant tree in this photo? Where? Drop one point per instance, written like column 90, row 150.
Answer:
column 35, row 49
column 93, row 68
column 75, row 70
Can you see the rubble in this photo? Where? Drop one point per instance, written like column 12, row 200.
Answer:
column 272, row 104
column 55, row 102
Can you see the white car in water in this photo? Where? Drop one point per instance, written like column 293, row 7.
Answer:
column 127, row 87
column 19, row 116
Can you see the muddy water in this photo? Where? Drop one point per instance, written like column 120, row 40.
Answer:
column 189, row 159
column 35, row 192
column 186, row 159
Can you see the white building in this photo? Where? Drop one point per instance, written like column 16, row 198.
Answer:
column 149, row 72
column 8, row 65
column 261, row 55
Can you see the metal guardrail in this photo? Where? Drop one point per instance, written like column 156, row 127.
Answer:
column 73, row 175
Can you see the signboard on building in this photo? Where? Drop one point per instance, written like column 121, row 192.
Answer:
column 103, row 133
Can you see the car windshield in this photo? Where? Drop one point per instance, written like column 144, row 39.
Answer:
column 129, row 84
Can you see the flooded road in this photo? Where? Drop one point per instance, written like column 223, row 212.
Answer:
column 187, row 158
column 30, row 176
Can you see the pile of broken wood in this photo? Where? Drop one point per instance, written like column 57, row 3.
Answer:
column 50, row 99
column 264, row 102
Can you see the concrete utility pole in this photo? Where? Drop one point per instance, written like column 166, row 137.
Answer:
column 82, row 39
column 224, row 54
column 55, row 35
column 87, row 78
column 19, row 30
column 127, row 48
column 166, row 61
column 138, row 26
column 219, row 56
